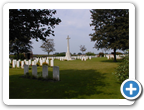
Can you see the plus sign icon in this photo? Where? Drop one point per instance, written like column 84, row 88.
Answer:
column 131, row 89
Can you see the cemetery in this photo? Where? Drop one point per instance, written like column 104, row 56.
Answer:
column 78, row 79
column 64, row 77
column 67, row 76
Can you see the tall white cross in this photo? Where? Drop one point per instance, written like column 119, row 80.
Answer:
column 131, row 89
column 68, row 56
column 67, row 43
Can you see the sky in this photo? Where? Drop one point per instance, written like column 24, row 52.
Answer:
column 75, row 24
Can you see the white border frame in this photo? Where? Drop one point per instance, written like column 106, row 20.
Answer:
column 8, row 6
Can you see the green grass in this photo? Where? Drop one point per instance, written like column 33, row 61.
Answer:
column 91, row 79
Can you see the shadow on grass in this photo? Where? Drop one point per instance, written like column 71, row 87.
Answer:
column 73, row 84
column 112, row 61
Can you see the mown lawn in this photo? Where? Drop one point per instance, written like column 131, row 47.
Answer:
column 91, row 79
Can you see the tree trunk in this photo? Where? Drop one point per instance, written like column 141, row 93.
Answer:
column 115, row 55
column 48, row 53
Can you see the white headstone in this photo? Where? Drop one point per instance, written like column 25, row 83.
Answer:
column 52, row 62
column 33, row 62
column 9, row 60
column 41, row 62
column 56, row 75
column 29, row 62
column 34, row 70
column 26, row 62
column 44, row 71
column 13, row 63
column 25, row 69
column 22, row 64
column 17, row 64
column 47, row 61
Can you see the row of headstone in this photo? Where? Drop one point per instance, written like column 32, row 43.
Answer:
column 83, row 58
column 117, row 56
column 16, row 63
column 56, row 75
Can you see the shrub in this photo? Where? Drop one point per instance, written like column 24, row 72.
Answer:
column 44, row 63
column 122, row 71
column 38, row 64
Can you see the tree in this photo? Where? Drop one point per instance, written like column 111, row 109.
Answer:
column 27, row 24
column 82, row 48
column 18, row 46
column 111, row 29
column 34, row 23
column 79, row 53
column 90, row 53
column 48, row 46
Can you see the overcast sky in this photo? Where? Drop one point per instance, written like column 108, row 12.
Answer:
column 75, row 23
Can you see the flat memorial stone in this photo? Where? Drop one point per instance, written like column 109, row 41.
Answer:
column 56, row 73
column 44, row 71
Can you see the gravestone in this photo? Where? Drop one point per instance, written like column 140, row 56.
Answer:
column 85, row 58
column 26, row 62
column 34, row 70
column 82, row 58
column 17, row 64
column 44, row 71
column 33, row 63
column 56, row 75
column 52, row 62
column 9, row 60
column 25, row 69
column 41, row 62
column 14, row 63
column 22, row 64
column 47, row 61
column 29, row 62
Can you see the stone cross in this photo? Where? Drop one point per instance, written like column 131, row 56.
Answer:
column 68, row 56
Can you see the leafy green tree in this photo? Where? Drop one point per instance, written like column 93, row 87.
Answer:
column 48, row 46
column 17, row 47
column 79, row 53
column 33, row 23
column 27, row 24
column 111, row 29
column 82, row 48
column 90, row 53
